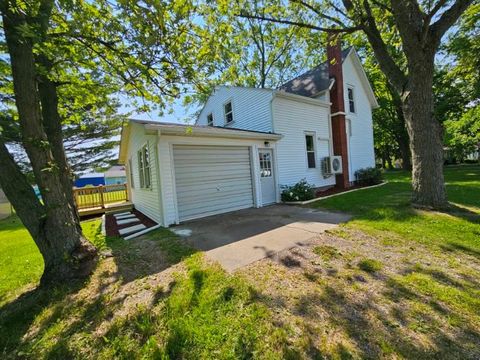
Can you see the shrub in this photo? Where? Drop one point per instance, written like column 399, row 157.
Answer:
column 369, row 176
column 301, row 191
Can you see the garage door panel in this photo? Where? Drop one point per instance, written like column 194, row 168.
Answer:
column 212, row 179
column 225, row 168
column 214, row 208
column 213, row 187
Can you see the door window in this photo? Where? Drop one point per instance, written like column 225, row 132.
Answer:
column 265, row 164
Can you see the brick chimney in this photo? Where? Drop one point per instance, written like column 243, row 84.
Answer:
column 337, row 98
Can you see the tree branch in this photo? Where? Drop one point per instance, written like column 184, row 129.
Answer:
column 346, row 30
column 448, row 18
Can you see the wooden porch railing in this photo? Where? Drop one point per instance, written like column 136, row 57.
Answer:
column 99, row 196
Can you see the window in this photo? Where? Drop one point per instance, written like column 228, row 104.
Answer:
column 144, row 167
column 310, row 146
column 228, row 109
column 130, row 170
column 265, row 164
column 351, row 100
column 210, row 119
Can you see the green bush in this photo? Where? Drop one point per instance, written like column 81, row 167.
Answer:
column 369, row 176
column 301, row 191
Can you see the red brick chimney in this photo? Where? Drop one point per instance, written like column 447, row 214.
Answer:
column 337, row 98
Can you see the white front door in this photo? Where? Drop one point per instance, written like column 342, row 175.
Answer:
column 267, row 180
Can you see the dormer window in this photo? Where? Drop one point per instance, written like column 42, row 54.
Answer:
column 351, row 100
column 210, row 119
column 228, row 110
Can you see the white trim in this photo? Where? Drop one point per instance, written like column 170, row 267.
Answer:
column 208, row 131
column 338, row 113
column 174, row 183
column 255, row 171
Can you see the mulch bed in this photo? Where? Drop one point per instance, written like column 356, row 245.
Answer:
column 319, row 193
column 111, row 226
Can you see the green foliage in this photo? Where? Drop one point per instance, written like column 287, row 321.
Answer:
column 463, row 135
column 370, row 265
column 301, row 191
column 369, row 176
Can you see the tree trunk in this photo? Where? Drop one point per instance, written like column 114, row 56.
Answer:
column 65, row 252
column 53, row 128
column 425, row 134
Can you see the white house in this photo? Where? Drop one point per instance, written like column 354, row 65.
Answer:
column 248, row 142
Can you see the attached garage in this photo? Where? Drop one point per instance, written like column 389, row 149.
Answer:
column 212, row 179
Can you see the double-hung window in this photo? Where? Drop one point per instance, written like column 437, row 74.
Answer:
column 144, row 167
column 310, row 147
column 351, row 100
column 228, row 110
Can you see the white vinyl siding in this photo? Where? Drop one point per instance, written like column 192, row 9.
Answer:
column 295, row 119
column 211, row 179
column 360, row 141
column 251, row 108
column 145, row 200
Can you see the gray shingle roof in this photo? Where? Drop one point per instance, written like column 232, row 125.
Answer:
column 313, row 81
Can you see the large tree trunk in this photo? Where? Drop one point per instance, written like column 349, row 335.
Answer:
column 65, row 252
column 425, row 134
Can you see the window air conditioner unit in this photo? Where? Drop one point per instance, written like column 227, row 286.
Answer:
column 332, row 165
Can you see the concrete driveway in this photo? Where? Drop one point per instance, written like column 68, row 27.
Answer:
column 242, row 237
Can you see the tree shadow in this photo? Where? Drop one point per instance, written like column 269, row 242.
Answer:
column 87, row 304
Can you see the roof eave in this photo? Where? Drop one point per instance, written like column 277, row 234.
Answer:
column 193, row 131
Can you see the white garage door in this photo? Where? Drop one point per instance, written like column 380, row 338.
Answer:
column 212, row 179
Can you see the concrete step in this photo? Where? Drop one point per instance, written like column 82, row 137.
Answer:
column 124, row 217
column 122, row 214
column 132, row 229
column 127, row 221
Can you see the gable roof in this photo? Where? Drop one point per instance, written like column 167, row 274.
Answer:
column 312, row 82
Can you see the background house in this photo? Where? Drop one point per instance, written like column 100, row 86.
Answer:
column 91, row 179
column 115, row 175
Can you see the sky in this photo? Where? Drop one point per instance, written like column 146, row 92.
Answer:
column 176, row 113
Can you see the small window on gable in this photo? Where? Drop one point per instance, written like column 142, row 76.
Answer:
column 210, row 119
column 351, row 100
column 228, row 110
column 310, row 147
column 144, row 167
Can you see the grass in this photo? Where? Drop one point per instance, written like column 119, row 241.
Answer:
column 370, row 265
column 155, row 297
column 386, row 212
column 126, row 310
column 327, row 252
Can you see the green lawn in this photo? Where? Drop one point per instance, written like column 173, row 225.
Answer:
column 385, row 211
column 394, row 282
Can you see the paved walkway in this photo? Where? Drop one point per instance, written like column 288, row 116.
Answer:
column 240, row 238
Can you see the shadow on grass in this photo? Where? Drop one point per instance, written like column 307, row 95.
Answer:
column 417, row 313
column 83, row 306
